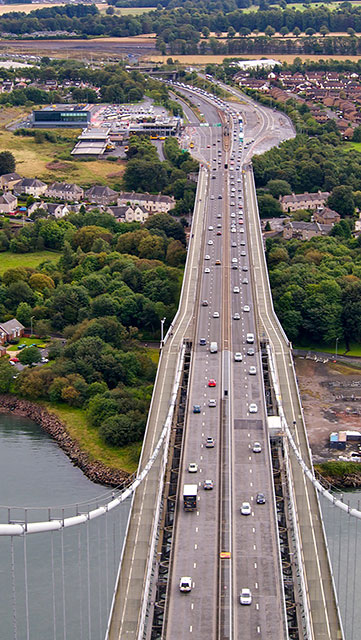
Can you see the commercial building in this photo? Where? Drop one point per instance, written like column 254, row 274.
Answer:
column 62, row 116
column 92, row 142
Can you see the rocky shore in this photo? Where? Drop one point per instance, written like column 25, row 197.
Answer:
column 93, row 469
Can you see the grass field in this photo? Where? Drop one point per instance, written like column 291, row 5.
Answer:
column 354, row 145
column 27, row 8
column 28, row 341
column 88, row 438
column 355, row 349
column 301, row 6
column 32, row 160
column 10, row 260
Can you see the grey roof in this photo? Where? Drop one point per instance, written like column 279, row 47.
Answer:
column 11, row 325
column 100, row 191
column 30, row 182
column 7, row 198
column 64, row 186
column 300, row 197
column 9, row 177
column 118, row 212
column 144, row 197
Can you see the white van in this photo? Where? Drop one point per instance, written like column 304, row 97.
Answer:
column 213, row 347
column 250, row 338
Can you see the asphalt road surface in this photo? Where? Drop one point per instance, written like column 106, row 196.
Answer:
column 212, row 609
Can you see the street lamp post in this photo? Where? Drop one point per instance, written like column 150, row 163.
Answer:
column 162, row 331
column 337, row 339
column 31, row 325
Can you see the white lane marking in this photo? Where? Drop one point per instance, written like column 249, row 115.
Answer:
column 190, row 629
column 196, row 529
column 194, row 565
column 192, row 606
column 197, row 513
column 254, row 547
column 196, row 546
column 251, row 485
column 255, row 565
column 256, row 585
column 254, row 530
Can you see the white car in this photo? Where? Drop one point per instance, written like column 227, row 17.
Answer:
column 245, row 597
column 212, row 403
column 233, row 215
column 253, row 407
column 246, row 308
column 246, row 509
column 192, row 467
column 210, row 242
column 257, row 448
column 210, row 228
column 236, row 316
column 207, row 257
column 215, row 314
column 185, row 584
column 252, row 371
column 235, row 289
column 234, row 260
column 241, row 230
column 238, row 356
column 207, row 270
column 233, row 230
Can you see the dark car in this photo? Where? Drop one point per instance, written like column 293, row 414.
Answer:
column 250, row 351
column 196, row 408
column 260, row 498
column 202, row 342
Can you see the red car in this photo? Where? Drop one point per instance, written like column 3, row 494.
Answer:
column 14, row 360
column 211, row 383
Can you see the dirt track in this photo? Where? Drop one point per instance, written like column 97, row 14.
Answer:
column 331, row 395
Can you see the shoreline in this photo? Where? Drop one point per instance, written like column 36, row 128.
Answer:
column 93, row 469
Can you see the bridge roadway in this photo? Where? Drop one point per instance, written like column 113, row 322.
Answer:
column 321, row 599
column 212, row 609
column 129, row 590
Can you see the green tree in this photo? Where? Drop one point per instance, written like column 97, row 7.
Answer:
column 268, row 206
column 29, row 356
column 24, row 313
column 6, row 375
column 7, row 162
column 342, row 201
column 279, row 188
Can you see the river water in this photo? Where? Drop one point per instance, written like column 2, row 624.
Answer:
column 61, row 579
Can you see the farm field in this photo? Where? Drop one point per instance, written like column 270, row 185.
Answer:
column 299, row 6
column 11, row 260
column 45, row 160
column 218, row 59
column 27, row 8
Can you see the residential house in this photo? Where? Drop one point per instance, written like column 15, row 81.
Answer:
column 101, row 195
column 152, row 203
column 324, row 215
column 305, row 230
column 10, row 330
column 8, row 203
column 9, row 180
column 65, row 191
column 128, row 213
column 56, row 210
column 303, row 201
column 30, row 186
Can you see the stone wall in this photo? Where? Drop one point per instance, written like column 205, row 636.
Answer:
column 93, row 469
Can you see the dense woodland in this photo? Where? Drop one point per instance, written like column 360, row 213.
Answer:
column 111, row 285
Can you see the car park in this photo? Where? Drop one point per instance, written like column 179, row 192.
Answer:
column 238, row 356
column 245, row 597
column 253, row 407
column 192, row 467
column 208, row 484
column 185, row 584
column 212, row 402
column 212, row 382
column 196, row 408
column 260, row 498
column 210, row 443
column 257, row 447
column 246, row 509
